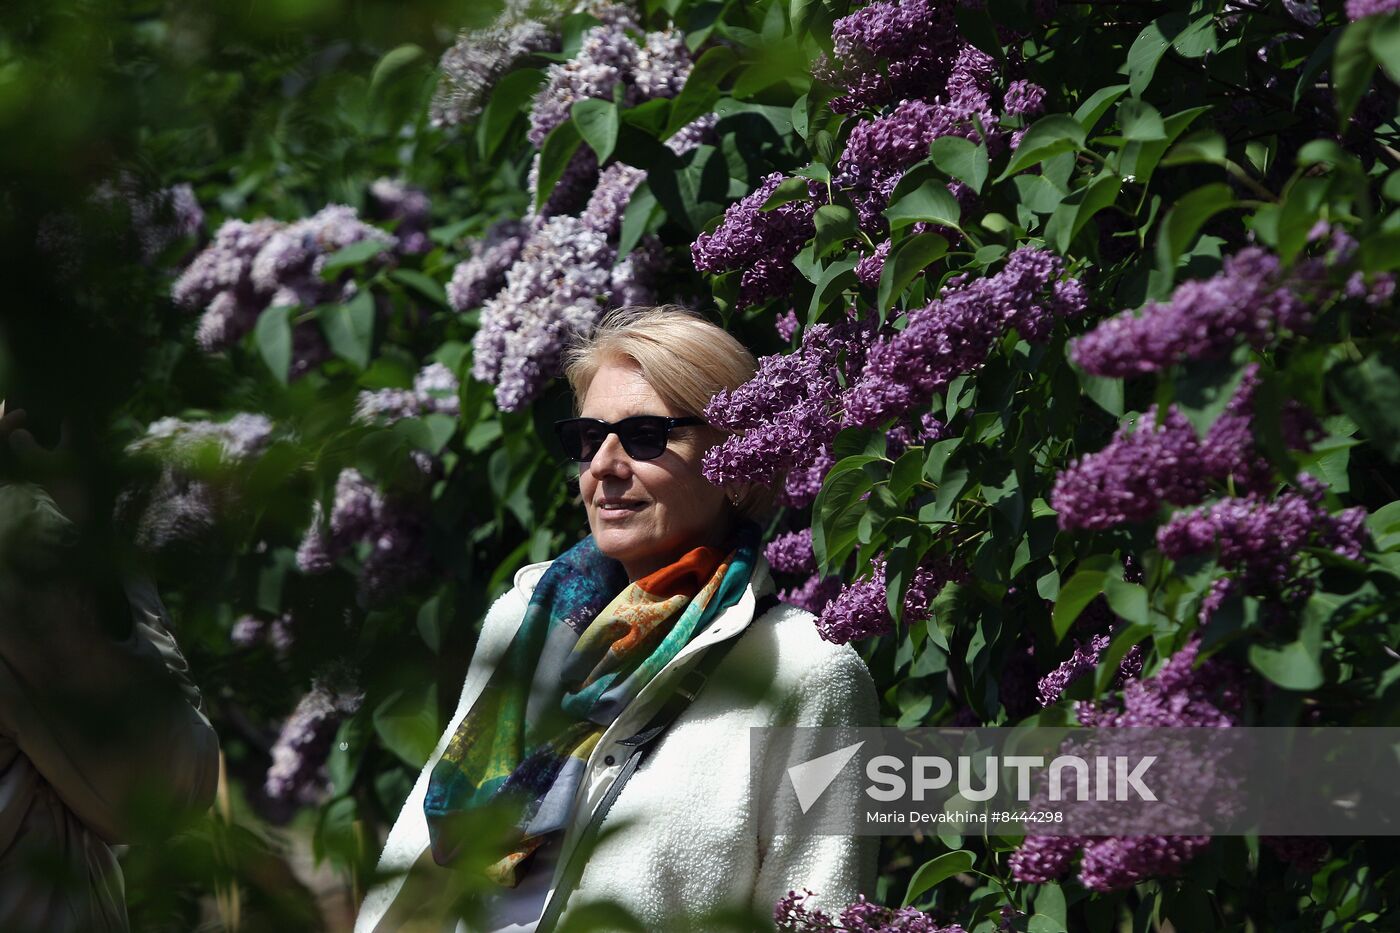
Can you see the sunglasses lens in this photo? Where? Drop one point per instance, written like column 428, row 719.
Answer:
column 645, row 438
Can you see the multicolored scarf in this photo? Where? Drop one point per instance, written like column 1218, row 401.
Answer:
column 588, row 644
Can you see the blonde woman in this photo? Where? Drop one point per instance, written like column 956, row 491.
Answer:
column 579, row 718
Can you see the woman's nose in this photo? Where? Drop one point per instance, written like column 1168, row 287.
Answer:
column 611, row 459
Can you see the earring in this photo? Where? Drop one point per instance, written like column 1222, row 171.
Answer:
column 733, row 498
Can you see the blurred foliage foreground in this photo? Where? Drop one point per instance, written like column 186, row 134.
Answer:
column 1080, row 380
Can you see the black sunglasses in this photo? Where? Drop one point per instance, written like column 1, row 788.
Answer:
column 643, row 436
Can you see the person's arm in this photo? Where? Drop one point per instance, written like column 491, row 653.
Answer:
column 837, row 693
column 113, row 725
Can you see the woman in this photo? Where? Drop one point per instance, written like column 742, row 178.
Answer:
column 587, row 651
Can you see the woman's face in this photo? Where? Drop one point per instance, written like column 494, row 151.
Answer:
column 647, row 513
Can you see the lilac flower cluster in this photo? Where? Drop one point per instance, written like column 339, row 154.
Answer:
column 761, row 243
column 878, row 150
column 861, row 609
column 251, row 267
column 954, row 334
column 1130, row 479
column 250, row 631
column 1262, row 539
column 1084, row 659
column 435, row 391
column 793, row 914
column 1229, row 451
column 476, row 279
column 1023, row 99
column 298, row 771
column 1360, row 9
column 159, row 218
column 928, row 430
column 395, row 531
column 481, row 56
column 407, row 208
column 792, row 553
column 1181, row 694
column 181, row 507
column 787, row 413
column 1252, row 299
column 889, row 50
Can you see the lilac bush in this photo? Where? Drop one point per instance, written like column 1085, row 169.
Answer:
column 761, row 243
column 298, row 771
column 793, row 914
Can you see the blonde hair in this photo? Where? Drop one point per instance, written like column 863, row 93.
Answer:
column 684, row 357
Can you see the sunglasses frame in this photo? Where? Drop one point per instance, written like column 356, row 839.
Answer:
column 670, row 424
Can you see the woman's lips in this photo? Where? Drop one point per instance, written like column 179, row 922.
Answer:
column 618, row 509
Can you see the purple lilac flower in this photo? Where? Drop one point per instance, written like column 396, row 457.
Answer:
column 392, row 200
column 434, row 391
column 1303, row 853
column 1250, row 300
column 786, row 324
column 1084, row 659
column 792, row 553
column 1130, row 479
column 861, row 609
column 878, row 150
column 242, row 436
column 1229, row 451
column 218, row 281
column 299, row 755
column 1181, row 694
column 1360, row 9
column 1263, row 539
column 289, row 264
column 479, row 57
column 812, row 594
column 1023, row 99
column 179, row 510
column 793, row 914
column 158, row 217
column 868, row 269
column 906, row 434
column 760, row 243
column 784, row 417
column 250, row 631
column 888, row 50
column 483, row 275
column 954, row 334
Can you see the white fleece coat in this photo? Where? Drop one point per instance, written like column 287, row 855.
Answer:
column 687, row 835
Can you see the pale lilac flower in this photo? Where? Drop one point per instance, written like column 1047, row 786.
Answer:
column 1360, row 9
column 159, row 217
column 299, row 755
column 479, row 57
column 410, row 207
column 484, row 274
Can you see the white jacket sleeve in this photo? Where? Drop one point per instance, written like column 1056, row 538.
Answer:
column 838, row 693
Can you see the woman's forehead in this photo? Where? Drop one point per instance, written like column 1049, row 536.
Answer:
column 619, row 391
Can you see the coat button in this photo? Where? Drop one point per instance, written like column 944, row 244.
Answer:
column 608, row 759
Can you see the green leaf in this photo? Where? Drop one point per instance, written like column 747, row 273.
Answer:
column 930, row 202
column 1080, row 590
column 835, row 225
column 834, row 278
column 906, row 260
column 1140, row 120
column 1184, row 221
column 1298, row 664
column 392, row 64
column 1107, row 393
column 1353, row 64
column 1128, row 600
column 961, row 159
column 558, row 149
column 1050, row 904
column 838, row 509
column 932, row 872
column 510, row 98
column 1076, row 210
column 597, row 122
column 406, row 723
column 1092, row 110
column 1205, row 388
column 788, row 190
column 1205, row 146
column 701, row 89
column 1048, row 136
column 273, row 335
column 425, row 285
column 638, row 219
column 650, row 117
column 1198, row 39
column 349, row 328
column 1385, row 44
column 1149, row 47
column 355, row 254
column 1369, row 393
